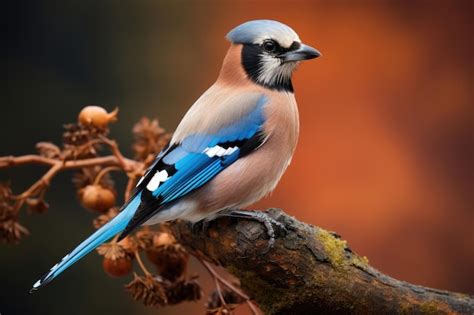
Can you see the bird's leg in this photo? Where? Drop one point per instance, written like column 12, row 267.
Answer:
column 261, row 217
column 202, row 225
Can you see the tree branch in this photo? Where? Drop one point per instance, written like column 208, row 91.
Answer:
column 111, row 160
column 58, row 165
column 309, row 270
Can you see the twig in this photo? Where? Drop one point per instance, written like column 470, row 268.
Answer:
column 111, row 162
column 129, row 188
column 219, row 292
column 116, row 152
column 36, row 188
column 10, row 161
column 105, row 171
column 141, row 264
column 217, row 276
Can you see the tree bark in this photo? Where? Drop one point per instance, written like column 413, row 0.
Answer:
column 309, row 270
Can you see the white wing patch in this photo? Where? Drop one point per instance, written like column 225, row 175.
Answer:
column 157, row 179
column 162, row 176
column 219, row 151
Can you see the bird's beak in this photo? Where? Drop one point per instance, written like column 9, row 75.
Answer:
column 304, row 52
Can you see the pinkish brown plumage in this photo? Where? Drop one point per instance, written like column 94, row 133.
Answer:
column 247, row 183
column 232, row 146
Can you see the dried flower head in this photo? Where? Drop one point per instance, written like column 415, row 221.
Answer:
column 78, row 140
column 184, row 290
column 148, row 289
column 163, row 239
column 6, row 201
column 106, row 217
column 48, row 149
column 129, row 244
column 112, row 250
column 170, row 257
column 37, row 205
column 144, row 238
column 150, row 138
column 11, row 231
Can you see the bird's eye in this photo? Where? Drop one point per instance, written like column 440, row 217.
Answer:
column 270, row 45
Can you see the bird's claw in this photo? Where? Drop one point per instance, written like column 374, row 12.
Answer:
column 261, row 217
column 200, row 226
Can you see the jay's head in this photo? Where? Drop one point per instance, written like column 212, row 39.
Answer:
column 270, row 52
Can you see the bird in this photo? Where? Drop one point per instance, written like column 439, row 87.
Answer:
column 231, row 147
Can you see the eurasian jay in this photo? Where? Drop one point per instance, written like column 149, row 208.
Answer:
column 230, row 149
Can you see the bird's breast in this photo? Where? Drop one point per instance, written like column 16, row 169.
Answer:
column 282, row 120
column 252, row 177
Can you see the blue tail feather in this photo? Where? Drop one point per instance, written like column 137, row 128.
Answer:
column 109, row 230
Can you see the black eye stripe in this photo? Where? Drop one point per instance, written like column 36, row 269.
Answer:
column 278, row 50
column 294, row 46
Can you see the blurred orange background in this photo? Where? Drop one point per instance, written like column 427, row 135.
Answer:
column 385, row 156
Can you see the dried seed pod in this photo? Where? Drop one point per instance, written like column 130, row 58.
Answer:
column 149, row 289
column 163, row 239
column 118, row 267
column 170, row 258
column 144, row 239
column 96, row 197
column 112, row 250
column 183, row 290
column 78, row 141
column 11, row 231
column 150, row 138
column 129, row 245
column 37, row 205
column 97, row 116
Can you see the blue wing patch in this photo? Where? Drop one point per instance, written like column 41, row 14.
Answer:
column 187, row 166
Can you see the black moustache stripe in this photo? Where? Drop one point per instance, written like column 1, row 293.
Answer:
column 251, row 61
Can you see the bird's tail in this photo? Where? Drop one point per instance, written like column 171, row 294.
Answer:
column 115, row 226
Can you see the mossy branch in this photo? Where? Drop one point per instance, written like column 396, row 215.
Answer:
column 309, row 270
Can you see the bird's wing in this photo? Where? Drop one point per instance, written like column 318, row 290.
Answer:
column 188, row 165
column 178, row 170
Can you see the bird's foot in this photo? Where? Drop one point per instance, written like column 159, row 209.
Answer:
column 261, row 217
column 200, row 226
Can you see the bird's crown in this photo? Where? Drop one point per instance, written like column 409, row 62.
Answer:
column 257, row 31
